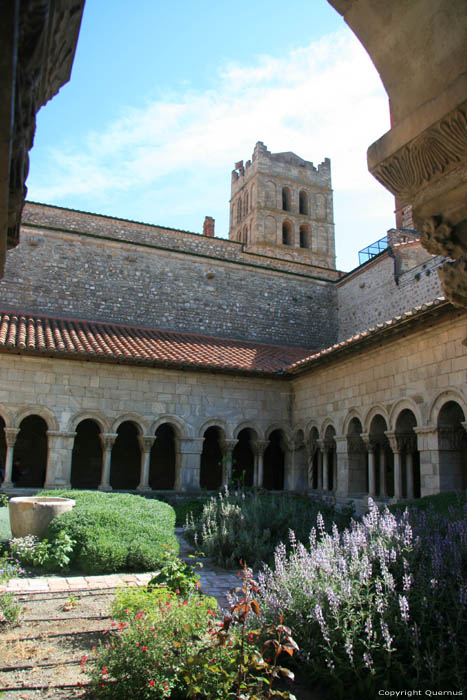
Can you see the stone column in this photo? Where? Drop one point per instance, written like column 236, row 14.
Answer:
column 59, row 453
column 397, row 464
column 190, row 453
column 107, row 442
column 289, row 472
column 259, row 447
column 325, row 455
column 10, row 438
column 371, row 463
column 227, row 449
column 409, row 474
column 145, row 442
column 319, row 464
column 341, row 466
column 428, row 447
column 382, row 472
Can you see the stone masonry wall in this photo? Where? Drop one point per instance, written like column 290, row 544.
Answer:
column 370, row 295
column 70, row 275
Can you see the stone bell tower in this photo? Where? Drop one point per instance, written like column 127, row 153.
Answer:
column 281, row 206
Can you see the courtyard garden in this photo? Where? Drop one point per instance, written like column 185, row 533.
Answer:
column 355, row 606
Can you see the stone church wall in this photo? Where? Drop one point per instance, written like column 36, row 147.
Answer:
column 109, row 279
column 370, row 295
column 408, row 372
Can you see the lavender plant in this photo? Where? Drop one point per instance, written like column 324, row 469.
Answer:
column 382, row 605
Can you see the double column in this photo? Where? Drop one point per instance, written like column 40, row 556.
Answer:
column 10, row 438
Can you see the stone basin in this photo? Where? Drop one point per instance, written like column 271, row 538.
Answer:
column 31, row 515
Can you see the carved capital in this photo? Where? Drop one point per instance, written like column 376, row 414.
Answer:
column 107, row 440
column 228, row 447
column 259, row 446
column 10, row 436
column 453, row 276
column 436, row 237
column 146, row 442
column 432, row 154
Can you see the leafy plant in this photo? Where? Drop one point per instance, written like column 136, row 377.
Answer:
column 3, row 500
column 146, row 653
column 381, row 605
column 242, row 664
column 31, row 551
column 115, row 532
column 238, row 526
column 176, row 575
column 11, row 610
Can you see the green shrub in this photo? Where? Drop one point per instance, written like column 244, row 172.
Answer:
column 115, row 532
column 31, row 551
column 3, row 500
column 184, row 508
column 177, row 576
column 147, row 651
column 239, row 526
column 129, row 601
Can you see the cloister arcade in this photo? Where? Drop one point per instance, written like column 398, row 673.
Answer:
column 386, row 456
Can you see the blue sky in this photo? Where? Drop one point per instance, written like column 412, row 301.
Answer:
column 165, row 99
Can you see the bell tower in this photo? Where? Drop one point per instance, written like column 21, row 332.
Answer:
column 281, row 206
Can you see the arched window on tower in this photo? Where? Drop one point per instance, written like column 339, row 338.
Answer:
column 303, row 203
column 245, row 204
column 239, row 210
column 287, row 232
column 305, row 236
column 245, row 234
column 286, row 199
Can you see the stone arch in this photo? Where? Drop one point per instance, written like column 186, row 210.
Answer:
column 303, row 203
column 215, row 423
column 125, row 464
column 286, row 203
column 251, row 425
column 287, row 232
column 86, row 456
column 449, row 394
column 377, row 409
column 279, row 426
column 399, row 407
column 164, row 459
column 351, row 414
column 243, row 456
column 452, row 446
column 245, row 203
column 212, row 455
column 328, row 422
column 30, row 453
column 135, row 418
column 378, row 424
column 305, row 236
column 239, row 209
column 96, row 416
column 183, row 429
column 406, row 439
column 309, row 427
column 274, row 466
column 45, row 413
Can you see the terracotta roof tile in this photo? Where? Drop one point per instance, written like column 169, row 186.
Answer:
column 95, row 340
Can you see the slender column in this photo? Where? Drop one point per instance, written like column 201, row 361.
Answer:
column 370, row 446
column 259, row 447
column 145, row 442
column 428, row 447
column 409, row 474
column 107, row 442
column 190, row 453
column 319, row 465
column 382, row 473
column 334, row 469
column 325, row 469
column 10, row 437
column 397, row 464
column 227, row 448
column 59, row 454
column 289, row 464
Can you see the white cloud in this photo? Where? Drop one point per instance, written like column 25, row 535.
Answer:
column 323, row 100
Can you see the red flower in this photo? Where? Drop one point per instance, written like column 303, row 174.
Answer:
column 104, row 671
column 144, row 648
column 151, row 683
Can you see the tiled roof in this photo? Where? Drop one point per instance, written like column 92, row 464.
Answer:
column 370, row 333
column 78, row 339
